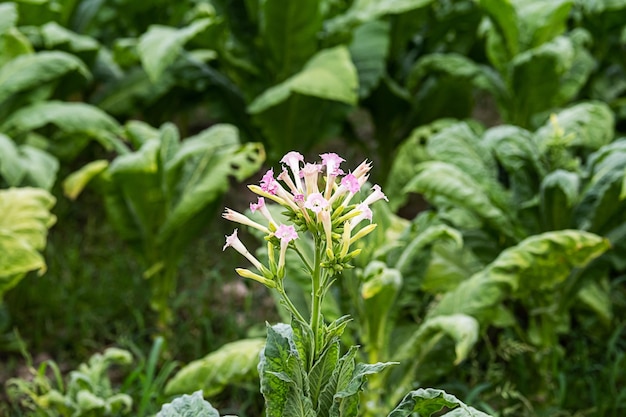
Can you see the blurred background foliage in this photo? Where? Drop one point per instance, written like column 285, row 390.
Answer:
column 125, row 126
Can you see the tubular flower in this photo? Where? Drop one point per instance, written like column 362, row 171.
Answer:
column 234, row 242
column 315, row 203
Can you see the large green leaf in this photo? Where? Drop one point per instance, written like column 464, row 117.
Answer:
column 369, row 49
column 538, row 263
column 280, row 371
column 78, row 121
column 201, row 169
column 233, row 363
column 290, row 31
column 188, row 406
column 443, row 182
column 24, row 225
column 329, row 75
column 31, row 71
column 26, row 165
column 541, row 21
column 426, row 402
column 409, row 155
column 160, row 46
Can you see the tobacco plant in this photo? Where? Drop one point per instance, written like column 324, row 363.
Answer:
column 159, row 196
column 303, row 368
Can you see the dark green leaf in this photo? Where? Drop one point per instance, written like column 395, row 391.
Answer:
column 290, row 30
column 369, row 49
column 558, row 195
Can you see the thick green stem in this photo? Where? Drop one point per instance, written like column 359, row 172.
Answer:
column 316, row 303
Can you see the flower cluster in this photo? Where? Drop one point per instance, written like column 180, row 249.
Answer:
column 317, row 197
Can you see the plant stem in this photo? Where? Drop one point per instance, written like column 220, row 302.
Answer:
column 316, row 302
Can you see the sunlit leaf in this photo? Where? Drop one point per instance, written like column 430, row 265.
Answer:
column 187, row 406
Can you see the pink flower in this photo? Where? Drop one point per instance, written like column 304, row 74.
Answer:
column 310, row 173
column 375, row 196
column 316, row 202
column 364, row 213
column 256, row 206
column 284, row 176
column 292, row 160
column 234, row 242
column 286, row 233
column 260, row 206
column 268, row 183
column 332, row 161
column 236, row 217
column 351, row 183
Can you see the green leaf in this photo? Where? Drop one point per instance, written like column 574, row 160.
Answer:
column 72, row 119
column 160, row 46
column 542, row 22
column 76, row 182
column 31, row 71
column 24, row 226
column 590, row 125
column 346, row 400
column 337, row 382
column 290, row 31
column 188, row 406
column 518, row 153
column 425, row 238
column 362, row 11
column 279, row 369
column 200, row 172
column 369, row 50
column 322, row 371
column 558, row 195
column 329, row 75
column 427, row 402
column 440, row 180
column 463, row 329
column 8, row 16
column 409, row 154
column 538, row 263
column 232, row 363
column 505, row 20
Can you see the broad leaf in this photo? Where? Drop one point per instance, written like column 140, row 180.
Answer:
column 79, row 121
column 24, row 226
column 233, row 363
column 590, row 124
column 538, row 263
column 289, row 30
column 31, row 71
column 160, row 46
column 427, row 402
column 329, row 75
column 188, row 406
column 369, row 49
column 440, row 181
column 505, row 21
